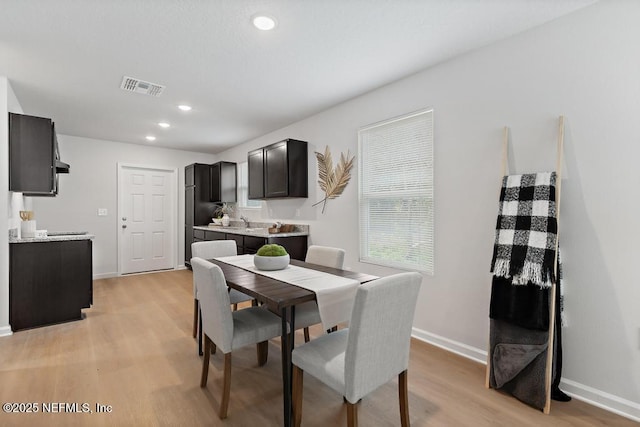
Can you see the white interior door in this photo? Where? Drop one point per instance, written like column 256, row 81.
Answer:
column 146, row 219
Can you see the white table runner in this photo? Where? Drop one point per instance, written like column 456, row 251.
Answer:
column 335, row 295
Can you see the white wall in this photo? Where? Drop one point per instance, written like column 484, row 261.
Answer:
column 584, row 66
column 92, row 184
column 9, row 201
column 4, row 208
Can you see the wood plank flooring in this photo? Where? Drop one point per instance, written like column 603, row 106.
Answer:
column 134, row 352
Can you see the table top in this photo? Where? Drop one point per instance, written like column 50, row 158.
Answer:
column 276, row 294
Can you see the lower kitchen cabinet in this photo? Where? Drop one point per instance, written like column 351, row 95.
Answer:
column 296, row 246
column 49, row 282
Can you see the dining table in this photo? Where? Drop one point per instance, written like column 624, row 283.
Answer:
column 282, row 297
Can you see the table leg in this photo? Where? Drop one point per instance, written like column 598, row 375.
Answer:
column 287, row 343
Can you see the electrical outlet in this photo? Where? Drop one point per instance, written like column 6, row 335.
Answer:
column 102, row 212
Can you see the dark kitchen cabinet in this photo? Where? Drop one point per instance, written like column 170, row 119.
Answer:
column 255, row 161
column 32, row 169
column 49, row 282
column 279, row 170
column 296, row 246
column 223, row 182
column 198, row 208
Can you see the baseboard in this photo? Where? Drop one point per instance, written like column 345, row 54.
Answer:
column 105, row 275
column 456, row 347
column 5, row 331
column 601, row 399
column 592, row 396
column 115, row 273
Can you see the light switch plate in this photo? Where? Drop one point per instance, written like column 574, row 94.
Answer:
column 102, row 212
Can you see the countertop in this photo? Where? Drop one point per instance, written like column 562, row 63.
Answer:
column 258, row 231
column 61, row 238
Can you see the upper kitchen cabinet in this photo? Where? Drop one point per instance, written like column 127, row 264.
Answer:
column 255, row 161
column 279, row 170
column 223, row 182
column 32, row 159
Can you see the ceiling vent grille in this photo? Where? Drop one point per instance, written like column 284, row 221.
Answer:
column 131, row 84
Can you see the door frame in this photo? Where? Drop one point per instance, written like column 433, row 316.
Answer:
column 173, row 201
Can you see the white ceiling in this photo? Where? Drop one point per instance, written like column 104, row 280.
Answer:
column 65, row 59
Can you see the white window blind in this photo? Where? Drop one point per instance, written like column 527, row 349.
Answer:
column 243, row 188
column 396, row 192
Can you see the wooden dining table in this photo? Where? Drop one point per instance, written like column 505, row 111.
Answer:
column 281, row 297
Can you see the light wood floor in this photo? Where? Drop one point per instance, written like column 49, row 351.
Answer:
column 134, row 351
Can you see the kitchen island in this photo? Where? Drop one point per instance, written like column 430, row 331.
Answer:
column 50, row 279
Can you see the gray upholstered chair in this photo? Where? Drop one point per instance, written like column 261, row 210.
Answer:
column 307, row 314
column 226, row 329
column 370, row 352
column 207, row 250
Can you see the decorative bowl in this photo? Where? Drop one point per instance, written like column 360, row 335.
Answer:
column 217, row 221
column 270, row 263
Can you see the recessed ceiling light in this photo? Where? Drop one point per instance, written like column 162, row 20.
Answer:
column 263, row 22
column 184, row 107
column 164, row 125
column 150, row 138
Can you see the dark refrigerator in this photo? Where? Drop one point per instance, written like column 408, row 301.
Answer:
column 198, row 208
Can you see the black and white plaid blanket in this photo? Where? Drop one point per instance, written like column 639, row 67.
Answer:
column 526, row 230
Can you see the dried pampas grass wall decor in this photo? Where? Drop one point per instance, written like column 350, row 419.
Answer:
column 333, row 181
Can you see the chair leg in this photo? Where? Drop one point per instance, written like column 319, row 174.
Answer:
column 404, row 399
column 205, row 362
column 306, row 335
column 195, row 317
column 200, row 333
column 226, row 387
column 263, row 352
column 297, row 395
column 352, row 414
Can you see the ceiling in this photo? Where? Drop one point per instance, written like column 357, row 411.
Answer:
column 66, row 59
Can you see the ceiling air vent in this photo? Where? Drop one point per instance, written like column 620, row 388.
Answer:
column 131, row 84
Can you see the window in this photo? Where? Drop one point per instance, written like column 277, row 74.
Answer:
column 396, row 192
column 243, row 188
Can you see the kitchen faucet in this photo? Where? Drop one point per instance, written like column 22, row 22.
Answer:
column 246, row 220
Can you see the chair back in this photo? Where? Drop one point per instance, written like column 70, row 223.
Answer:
column 214, row 248
column 217, row 321
column 211, row 249
column 325, row 255
column 380, row 333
